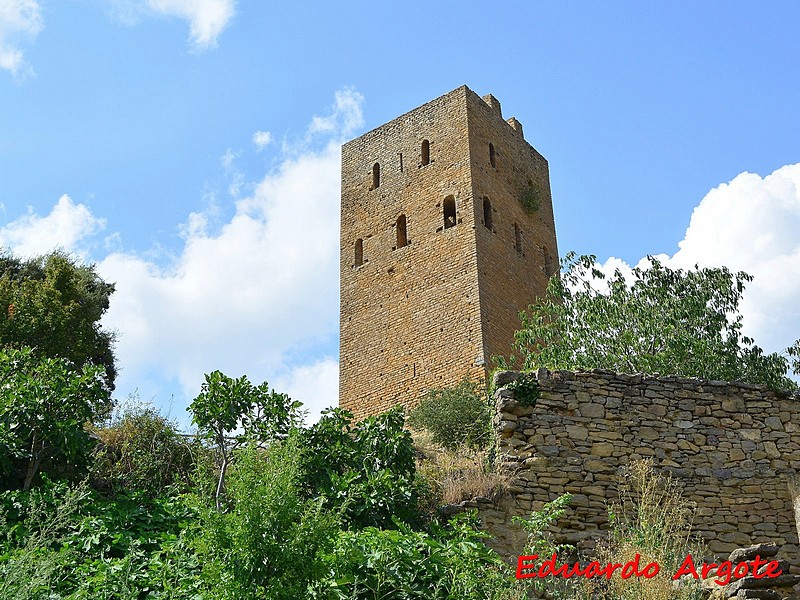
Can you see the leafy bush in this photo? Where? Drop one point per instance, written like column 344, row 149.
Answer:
column 456, row 416
column 142, row 451
column 58, row 541
column 270, row 543
column 446, row 563
column 364, row 469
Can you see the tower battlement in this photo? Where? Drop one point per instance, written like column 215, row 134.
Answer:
column 447, row 231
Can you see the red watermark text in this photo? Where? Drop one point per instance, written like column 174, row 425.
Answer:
column 723, row 573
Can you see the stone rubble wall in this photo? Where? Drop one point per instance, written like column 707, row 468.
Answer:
column 733, row 448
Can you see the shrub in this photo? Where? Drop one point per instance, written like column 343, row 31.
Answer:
column 142, row 451
column 44, row 405
column 457, row 416
column 364, row 470
column 270, row 542
column 446, row 563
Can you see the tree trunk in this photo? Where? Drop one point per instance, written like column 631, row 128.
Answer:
column 33, row 464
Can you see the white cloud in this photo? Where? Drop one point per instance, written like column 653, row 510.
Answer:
column 317, row 384
column 261, row 139
column 252, row 298
column 207, row 18
column 244, row 299
column 68, row 226
column 18, row 19
column 751, row 224
column 346, row 117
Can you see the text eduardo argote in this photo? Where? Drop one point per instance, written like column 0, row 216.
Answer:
column 722, row 573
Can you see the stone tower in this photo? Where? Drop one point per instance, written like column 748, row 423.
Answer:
column 447, row 233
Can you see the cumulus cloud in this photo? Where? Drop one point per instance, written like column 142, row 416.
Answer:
column 207, row 18
column 261, row 139
column 751, row 224
column 266, row 286
column 346, row 117
column 69, row 226
column 258, row 297
column 318, row 382
column 19, row 19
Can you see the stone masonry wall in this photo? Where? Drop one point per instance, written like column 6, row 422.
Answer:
column 733, row 448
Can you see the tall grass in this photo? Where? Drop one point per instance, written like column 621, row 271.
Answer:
column 653, row 520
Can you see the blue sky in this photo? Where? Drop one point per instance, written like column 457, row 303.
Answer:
column 190, row 149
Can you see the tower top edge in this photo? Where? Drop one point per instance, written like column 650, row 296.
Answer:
column 461, row 91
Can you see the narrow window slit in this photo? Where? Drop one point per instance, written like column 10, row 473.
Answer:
column 359, row 252
column 487, row 213
column 402, row 235
column 449, row 208
column 376, row 176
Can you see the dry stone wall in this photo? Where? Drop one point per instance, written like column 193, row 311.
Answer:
column 733, row 448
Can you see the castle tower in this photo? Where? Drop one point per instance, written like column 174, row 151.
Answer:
column 447, row 233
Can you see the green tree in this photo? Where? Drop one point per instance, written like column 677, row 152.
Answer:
column 664, row 321
column 44, row 405
column 226, row 405
column 54, row 305
column 271, row 542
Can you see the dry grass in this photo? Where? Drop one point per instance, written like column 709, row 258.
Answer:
column 455, row 476
column 654, row 521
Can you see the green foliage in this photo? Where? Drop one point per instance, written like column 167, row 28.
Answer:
column 302, row 515
column 457, row 416
column 364, row 469
column 666, row 321
column 539, row 522
column 65, row 542
column 530, row 197
column 446, row 563
column 54, row 305
column 225, row 404
column 270, row 543
column 33, row 528
column 141, row 451
column 44, row 405
column 526, row 389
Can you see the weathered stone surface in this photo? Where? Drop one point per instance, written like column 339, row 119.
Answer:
column 714, row 439
column 751, row 583
column 749, row 553
column 438, row 254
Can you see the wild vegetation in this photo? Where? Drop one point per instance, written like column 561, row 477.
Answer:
column 663, row 320
column 119, row 504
